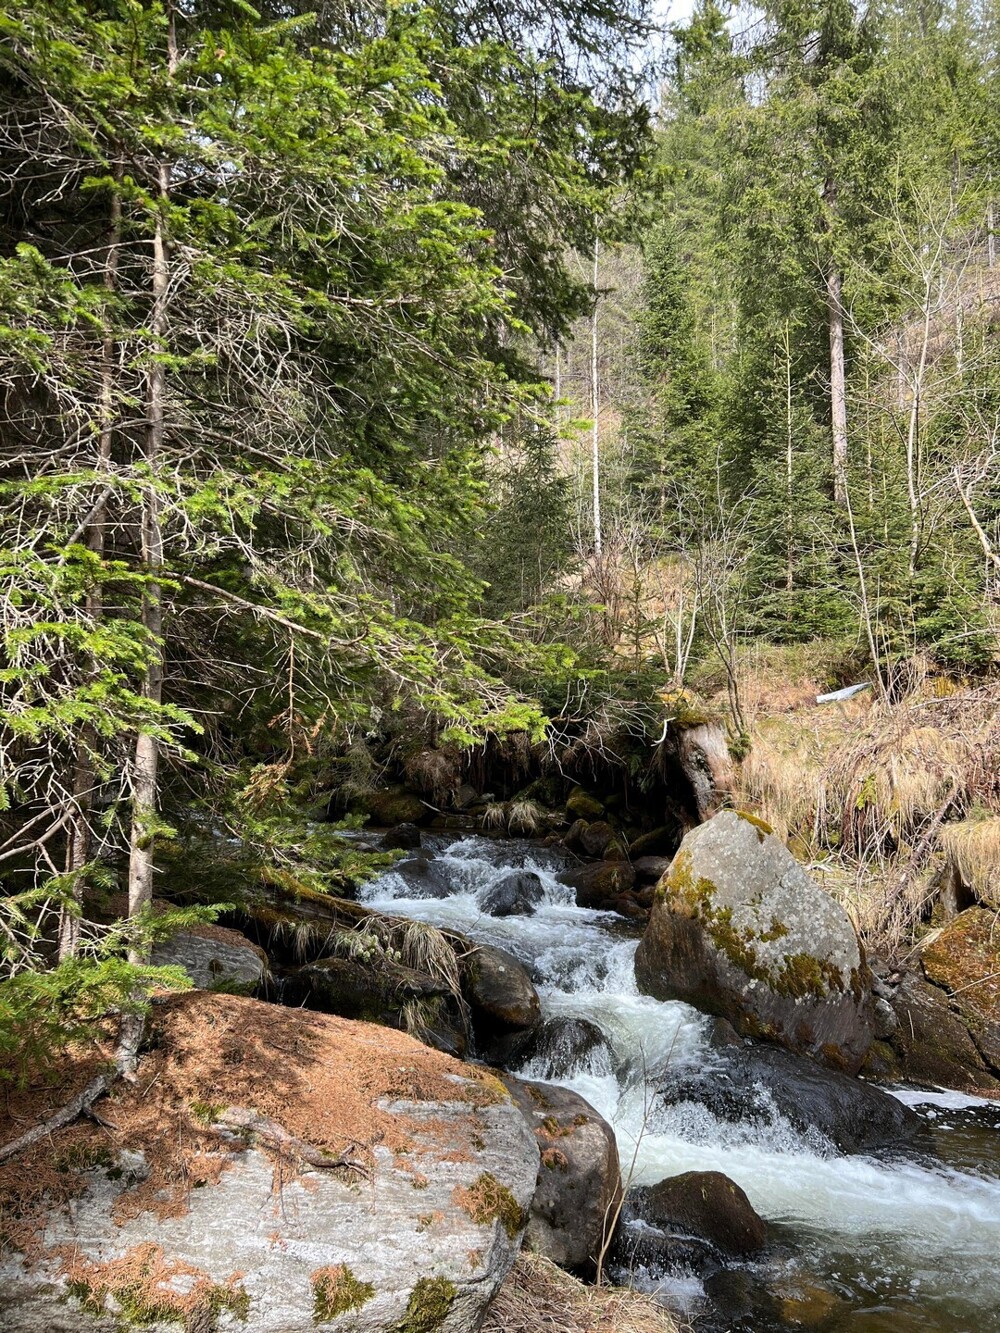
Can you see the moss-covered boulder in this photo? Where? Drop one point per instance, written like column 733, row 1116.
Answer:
column 738, row 929
column 964, row 958
column 391, row 806
column 581, row 805
column 499, row 994
column 932, row 1043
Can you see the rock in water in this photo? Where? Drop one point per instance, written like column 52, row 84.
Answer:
column 739, row 929
column 706, row 1204
column 579, row 1179
column 499, row 993
column 965, row 959
column 514, row 895
column 415, row 1234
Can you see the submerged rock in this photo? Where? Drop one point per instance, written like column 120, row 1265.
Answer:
column 579, row 1179
column 705, row 1204
column 425, row 877
column 740, row 930
column 564, row 1046
column 415, row 1229
column 515, row 895
column 765, row 1083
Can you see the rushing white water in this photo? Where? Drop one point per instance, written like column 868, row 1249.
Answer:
column 908, row 1237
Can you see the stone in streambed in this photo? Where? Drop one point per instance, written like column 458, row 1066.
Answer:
column 739, row 929
column 705, row 1204
column 499, row 992
column 565, row 1046
column 768, row 1084
column 964, row 958
column 579, row 1179
column 602, row 880
column 517, row 894
column 581, row 805
column 651, row 868
column 404, row 837
column 660, row 842
column 596, row 837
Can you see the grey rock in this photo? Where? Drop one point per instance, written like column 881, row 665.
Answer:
column 597, row 885
column 740, row 930
column 564, row 1046
column 514, row 895
column 579, row 1178
column 214, row 958
column 424, row 876
column 388, row 1232
column 651, row 868
column 499, row 992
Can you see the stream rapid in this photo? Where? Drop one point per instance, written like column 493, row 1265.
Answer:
column 907, row 1241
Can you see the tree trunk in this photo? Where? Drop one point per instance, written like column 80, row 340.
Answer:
column 144, row 783
column 78, row 844
column 595, row 402
column 838, row 382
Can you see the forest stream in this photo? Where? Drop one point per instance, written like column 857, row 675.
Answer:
column 906, row 1240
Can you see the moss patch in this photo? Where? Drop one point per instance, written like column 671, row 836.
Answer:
column 428, row 1306
column 761, row 825
column 486, row 1201
column 336, row 1291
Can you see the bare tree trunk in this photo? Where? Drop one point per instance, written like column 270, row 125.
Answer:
column 789, row 461
column 913, row 460
column 78, row 843
column 144, row 791
column 838, row 380
column 595, row 407
column 991, row 236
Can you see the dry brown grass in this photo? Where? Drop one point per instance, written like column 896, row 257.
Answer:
column 973, row 849
column 538, row 1297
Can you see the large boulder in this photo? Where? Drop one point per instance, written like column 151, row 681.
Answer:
column 766, row 1084
column 579, row 1185
column 499, row 993
column 517, row 894
column 964, row 958
column 739, row 929
column 581, row 805
column 705, row 1204
column 214, row 957
column 391, row 806
column 931, row 1044
column 273, row 1171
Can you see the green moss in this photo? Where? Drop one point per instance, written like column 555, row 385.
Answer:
column 82, row 1157
column 336, row 1291
column 487, row 1200
column 427, row 1309
column 761, row 825
column 206, row 1112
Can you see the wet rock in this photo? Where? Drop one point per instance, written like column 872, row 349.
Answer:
column 964, row 958
column 422, row 1242
column 562, row 1047
column 933, row 1045
column 615, row 851
column 404, row 837
column 464, row 796
column 425, row 876
column 651, row 868
column 660, row 842
column 639, row 1244
column 595, row 837
column 596, row 883
column 214, row 957
column 574, row 835
column 581, row 805
column 514, row 895
column 740, row 930
column 499, row 993
column 705, row 1204
column 392, row 806
column 579, row 1178
column 744, row 1302
column 765, row 1083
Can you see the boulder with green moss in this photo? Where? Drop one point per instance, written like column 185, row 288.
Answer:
column 964, row 958
column 739, row 929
